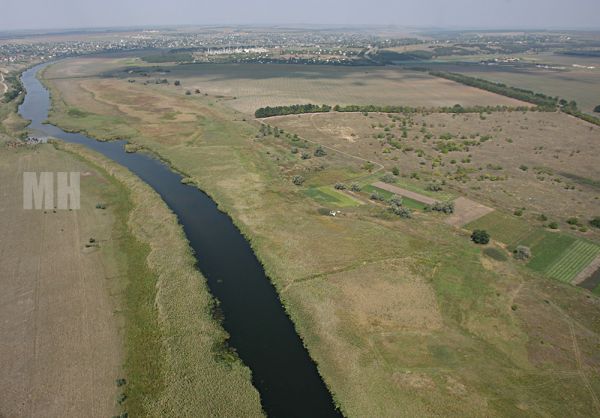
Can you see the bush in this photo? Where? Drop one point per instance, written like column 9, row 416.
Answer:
column 522, row 252
column 553, row 225
column 518, row 212
column 434, row 187
column 401, row 211
column 479, row 236
column 396, row 200
column 597, row 109
column 396, row 171
column 298, row 180
column 388, row 178
column 573, row 221
column 305, row 155
column 340, row 186
column 294, row 150
column 320, row 152
column 595, row 222
column 355, row 187
column 376, row 196
column 444, row 207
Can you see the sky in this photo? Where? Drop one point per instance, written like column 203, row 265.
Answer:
column 491, row 14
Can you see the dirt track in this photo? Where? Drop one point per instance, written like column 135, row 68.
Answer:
column 59, row 342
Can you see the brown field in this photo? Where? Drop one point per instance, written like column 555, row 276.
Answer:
column 61, row 348
column 403, row 317
column 557, row 150
column 466, row 211
column 246, row 87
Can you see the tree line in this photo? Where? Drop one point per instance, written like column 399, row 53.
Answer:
column 265, row 112
column 542, row 101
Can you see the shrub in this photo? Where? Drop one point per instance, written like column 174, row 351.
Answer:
column 177, row 83
column 542, row 217
column 524, row 167
column 434, row 187
column 388, row 178
column 294, row 150
column 401, row 211
column 320, row 152
column 522, row 252
column 100, row 205
column 355, row 187
column 305, row 155
column 396, row 171
column 479, row 236
column 340, row 186
column 573, row 221
column 376, row 196
column 553, row 225
column 518, row 212
column 298, row 180
column 597, row 109
column 595, row 222
column 444, row 207
column 396, row 200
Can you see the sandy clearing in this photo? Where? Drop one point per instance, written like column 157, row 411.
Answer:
column 465, row 211
column 403, row 192
column 60, row 348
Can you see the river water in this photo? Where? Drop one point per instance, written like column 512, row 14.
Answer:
column 259, row 328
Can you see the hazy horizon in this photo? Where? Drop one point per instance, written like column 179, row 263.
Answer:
column 461, row 14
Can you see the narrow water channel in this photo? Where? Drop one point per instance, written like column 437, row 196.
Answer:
column 260, row 330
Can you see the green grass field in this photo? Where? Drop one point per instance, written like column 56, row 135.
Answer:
column 329, row 196
column 554, row 254
column 409, row 203
column 504, row 228
column 573, row 260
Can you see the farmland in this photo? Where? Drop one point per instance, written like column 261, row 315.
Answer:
column 60, row 293
column 399, row 314
column 247, row 87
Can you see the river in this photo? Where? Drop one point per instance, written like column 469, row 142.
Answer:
column 259, row 328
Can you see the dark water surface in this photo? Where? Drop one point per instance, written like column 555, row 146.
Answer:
column 260, row 330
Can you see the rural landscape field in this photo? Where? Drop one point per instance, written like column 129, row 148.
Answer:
column 294, row 221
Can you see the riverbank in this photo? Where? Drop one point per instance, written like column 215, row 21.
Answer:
column 176, row 356
column 402, row 316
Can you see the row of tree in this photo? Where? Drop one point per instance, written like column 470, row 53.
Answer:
column 265, row 112
column 543, row 101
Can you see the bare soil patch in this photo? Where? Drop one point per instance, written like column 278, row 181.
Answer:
column 465, row 211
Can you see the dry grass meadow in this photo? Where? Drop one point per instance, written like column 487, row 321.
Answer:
column 543, row 162
column 403, row 317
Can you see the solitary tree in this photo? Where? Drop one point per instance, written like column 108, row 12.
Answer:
column 298, row 180
column 479, row 236
column 522, row 252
